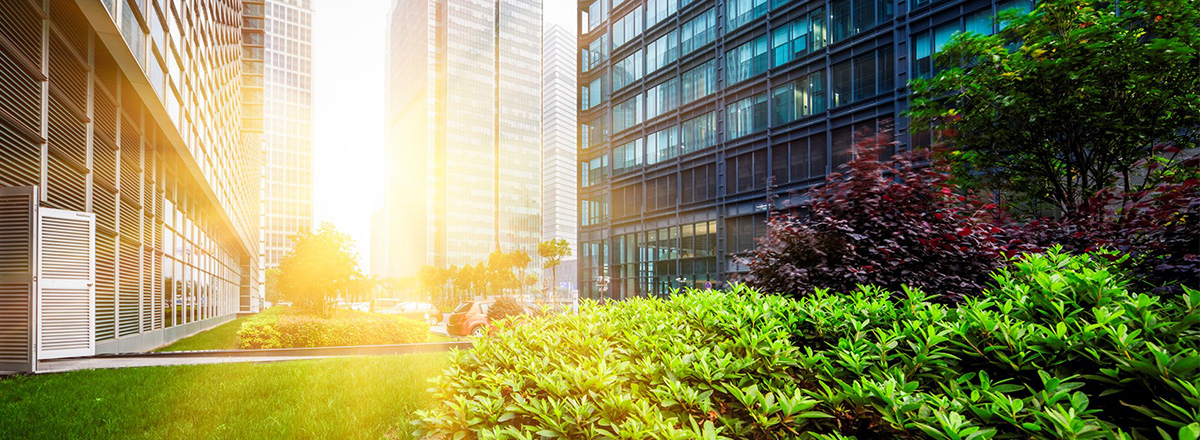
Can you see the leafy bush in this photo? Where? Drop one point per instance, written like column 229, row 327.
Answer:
column 503, row 308
column 1059, row 349
column 284, row 328
column 887, row 223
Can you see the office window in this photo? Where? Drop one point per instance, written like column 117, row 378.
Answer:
column 627, row 200
column 843, row 27
column 662, row 51
column 864, row 76
column 628, row 113
column 746, row 61
column 699, row 132
column 747, row 172
column 789, row 42
column 662, row 145
column 747, row 116
column 628, row 156
column 818, row 156
column 980, row 22
column 598, row 51
column 799, row 99
column 593, row 133
column 596, row 13
column 662, row 98
column 698, row 184
column 849, row 17
column 592, row 95
column 700, row 81
column 594, row 172
column 839, row 84
column 628, row 70
column 741, row 12
column 595, row 209
column 698, row 32
column 627, row 28
column 886, row 63
column 658, row 10
column 922, row 55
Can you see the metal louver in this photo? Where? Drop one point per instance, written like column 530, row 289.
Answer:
column 66, row 284
column 17, row 229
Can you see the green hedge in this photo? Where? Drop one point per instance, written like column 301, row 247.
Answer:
column 1061, row 350
column 281, row 327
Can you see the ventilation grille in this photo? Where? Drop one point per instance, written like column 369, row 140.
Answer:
column 105, row 286
column 21, row 159
column 128, row 283
column 65, row 253
column 64, row 319
column 16, row 244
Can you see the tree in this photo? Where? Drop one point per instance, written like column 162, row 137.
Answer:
column 553, row 252
column 318, row 267
column 1065, row 101
column 271, row 286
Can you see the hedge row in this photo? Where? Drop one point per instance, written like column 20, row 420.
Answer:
column 281, row 327
column 1061, row 349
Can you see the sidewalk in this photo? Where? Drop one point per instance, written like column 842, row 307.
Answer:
column 165, row 359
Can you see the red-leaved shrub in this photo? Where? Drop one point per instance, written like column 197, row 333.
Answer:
column 891, row 222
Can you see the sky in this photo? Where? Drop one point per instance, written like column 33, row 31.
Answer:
column 348, row 134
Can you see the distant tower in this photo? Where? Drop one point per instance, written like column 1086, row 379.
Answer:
column 287, row 152
column 463, row 131
column 560, row 218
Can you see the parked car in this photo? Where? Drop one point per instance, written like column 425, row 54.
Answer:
column 469, row 319
column 416, row 310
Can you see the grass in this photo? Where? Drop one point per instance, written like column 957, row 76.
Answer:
column 221, row 337
column 345, row 398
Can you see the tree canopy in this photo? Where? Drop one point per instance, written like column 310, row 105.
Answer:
column 1066, row 100
column 320, row 265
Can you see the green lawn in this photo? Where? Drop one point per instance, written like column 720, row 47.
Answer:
column 345, row 398
column 221, row 337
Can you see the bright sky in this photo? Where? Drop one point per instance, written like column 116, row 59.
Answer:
column 348, row 50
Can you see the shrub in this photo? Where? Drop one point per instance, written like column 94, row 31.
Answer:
column 887, row 223
column 283, row 328
column 1060, row 348
column 503, row 308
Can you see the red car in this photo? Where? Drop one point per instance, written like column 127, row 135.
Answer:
column 469, row 318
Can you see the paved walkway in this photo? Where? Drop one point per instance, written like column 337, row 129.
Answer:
column 64, row 365
column 227, row 356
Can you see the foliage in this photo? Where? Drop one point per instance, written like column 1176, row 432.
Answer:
column 553, row 252
column 504, row 308
column 319, row 266
column 348, row 398
column 1064, row 101
column 887, row 223
column 271, row 285
column 1159, row 227
column 1059, row 349
column 281, row 327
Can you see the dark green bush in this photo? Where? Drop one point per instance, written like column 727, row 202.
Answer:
column 280, row 327
column 503, row 308
column 1060, row 349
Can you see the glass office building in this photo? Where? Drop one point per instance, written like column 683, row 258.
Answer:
column 560, row 172
column 287, row 125
column 463, row 117
column 692, row 113
column 147, row 115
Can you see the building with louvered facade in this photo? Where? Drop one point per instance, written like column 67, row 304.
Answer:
column 146, row 116
column 699, row 117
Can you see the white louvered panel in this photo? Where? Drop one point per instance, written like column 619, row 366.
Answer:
column 66, row 294
column 17, row 227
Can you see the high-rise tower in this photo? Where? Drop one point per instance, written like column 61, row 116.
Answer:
column 463, row 131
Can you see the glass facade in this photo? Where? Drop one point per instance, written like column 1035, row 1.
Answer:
column 464, row 143
column 771, row 99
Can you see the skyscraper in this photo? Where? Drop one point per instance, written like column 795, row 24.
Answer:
column 559, row 135
column 693, row 112
column 146, row 116
column 287, row 124
column 463, row 131
column 560, row 141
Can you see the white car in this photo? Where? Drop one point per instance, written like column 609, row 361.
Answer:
column 416, row 310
